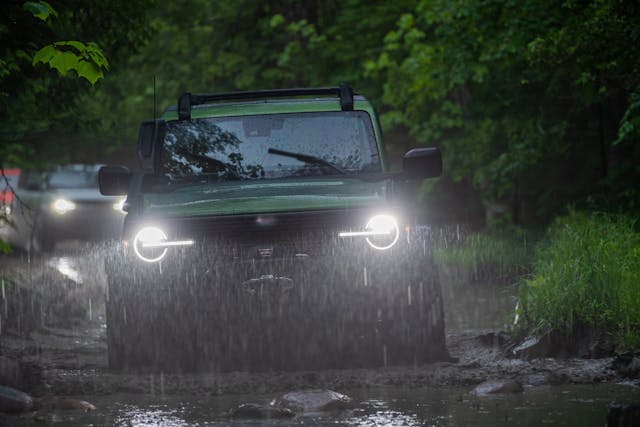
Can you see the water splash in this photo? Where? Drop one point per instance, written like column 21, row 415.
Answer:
column 67, row 267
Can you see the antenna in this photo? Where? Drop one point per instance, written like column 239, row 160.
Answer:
column 155, row 114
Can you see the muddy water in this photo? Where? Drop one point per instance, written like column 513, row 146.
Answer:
column 555, row 406
column 467, row 307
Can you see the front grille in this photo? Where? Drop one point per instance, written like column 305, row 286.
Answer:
column 266, row 236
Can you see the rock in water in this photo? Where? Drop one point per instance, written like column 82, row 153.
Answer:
column 259, row 411
column 497, row 386
column 74, row 404
column 627, row 365
column 14, row 401
column 623, row 415
column 63, row 403
column 315, row 400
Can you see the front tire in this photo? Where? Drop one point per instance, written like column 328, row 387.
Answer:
column 345, row 313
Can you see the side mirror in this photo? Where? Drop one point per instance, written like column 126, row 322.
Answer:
column 150, row 141
column 114, row 180
column 422, row 163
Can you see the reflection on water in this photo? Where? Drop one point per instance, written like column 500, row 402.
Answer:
column 385, row 418
column 132, row 415
column 378, row 412
column 567, row 406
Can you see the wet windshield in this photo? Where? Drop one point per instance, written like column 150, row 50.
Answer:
column 270, row 146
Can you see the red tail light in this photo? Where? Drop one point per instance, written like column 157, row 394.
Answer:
column 6, row 197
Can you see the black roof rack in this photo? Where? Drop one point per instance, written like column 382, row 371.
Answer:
column 186, row 100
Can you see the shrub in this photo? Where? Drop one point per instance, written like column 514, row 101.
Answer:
column 586, row 273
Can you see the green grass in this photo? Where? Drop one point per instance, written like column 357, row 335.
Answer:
column 497, row 256
column 586, row 273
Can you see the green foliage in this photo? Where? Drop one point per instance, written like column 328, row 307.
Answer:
column 5, row 248
column 497, row 256
column 41, row 10
column 239, row 45
column 516, row 93
column 87, row 60
column 42, row 117
column 586, row 273
column 629, row 131
column 535, row 104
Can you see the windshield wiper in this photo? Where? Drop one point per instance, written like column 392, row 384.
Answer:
column 306, row 158
column 212, row 160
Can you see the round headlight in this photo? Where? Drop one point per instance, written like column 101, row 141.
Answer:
column 145, row 244
column 62, row 206
column 384, row 232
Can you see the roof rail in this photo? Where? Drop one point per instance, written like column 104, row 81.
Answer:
column 186, row 100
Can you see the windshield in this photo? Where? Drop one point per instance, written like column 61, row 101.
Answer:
column 69, row 179
column 9, row 176
column 270, row 146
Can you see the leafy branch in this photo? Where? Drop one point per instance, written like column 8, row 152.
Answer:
column 87, row 60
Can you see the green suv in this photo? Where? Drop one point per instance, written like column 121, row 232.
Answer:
column 264, row 231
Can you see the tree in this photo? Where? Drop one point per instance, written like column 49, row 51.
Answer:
column 246, row 44
column 524, row 97
column 40, row 44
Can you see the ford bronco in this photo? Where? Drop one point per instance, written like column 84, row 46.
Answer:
column 264, row 231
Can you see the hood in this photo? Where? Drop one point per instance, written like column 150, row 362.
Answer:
column 250, row 197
